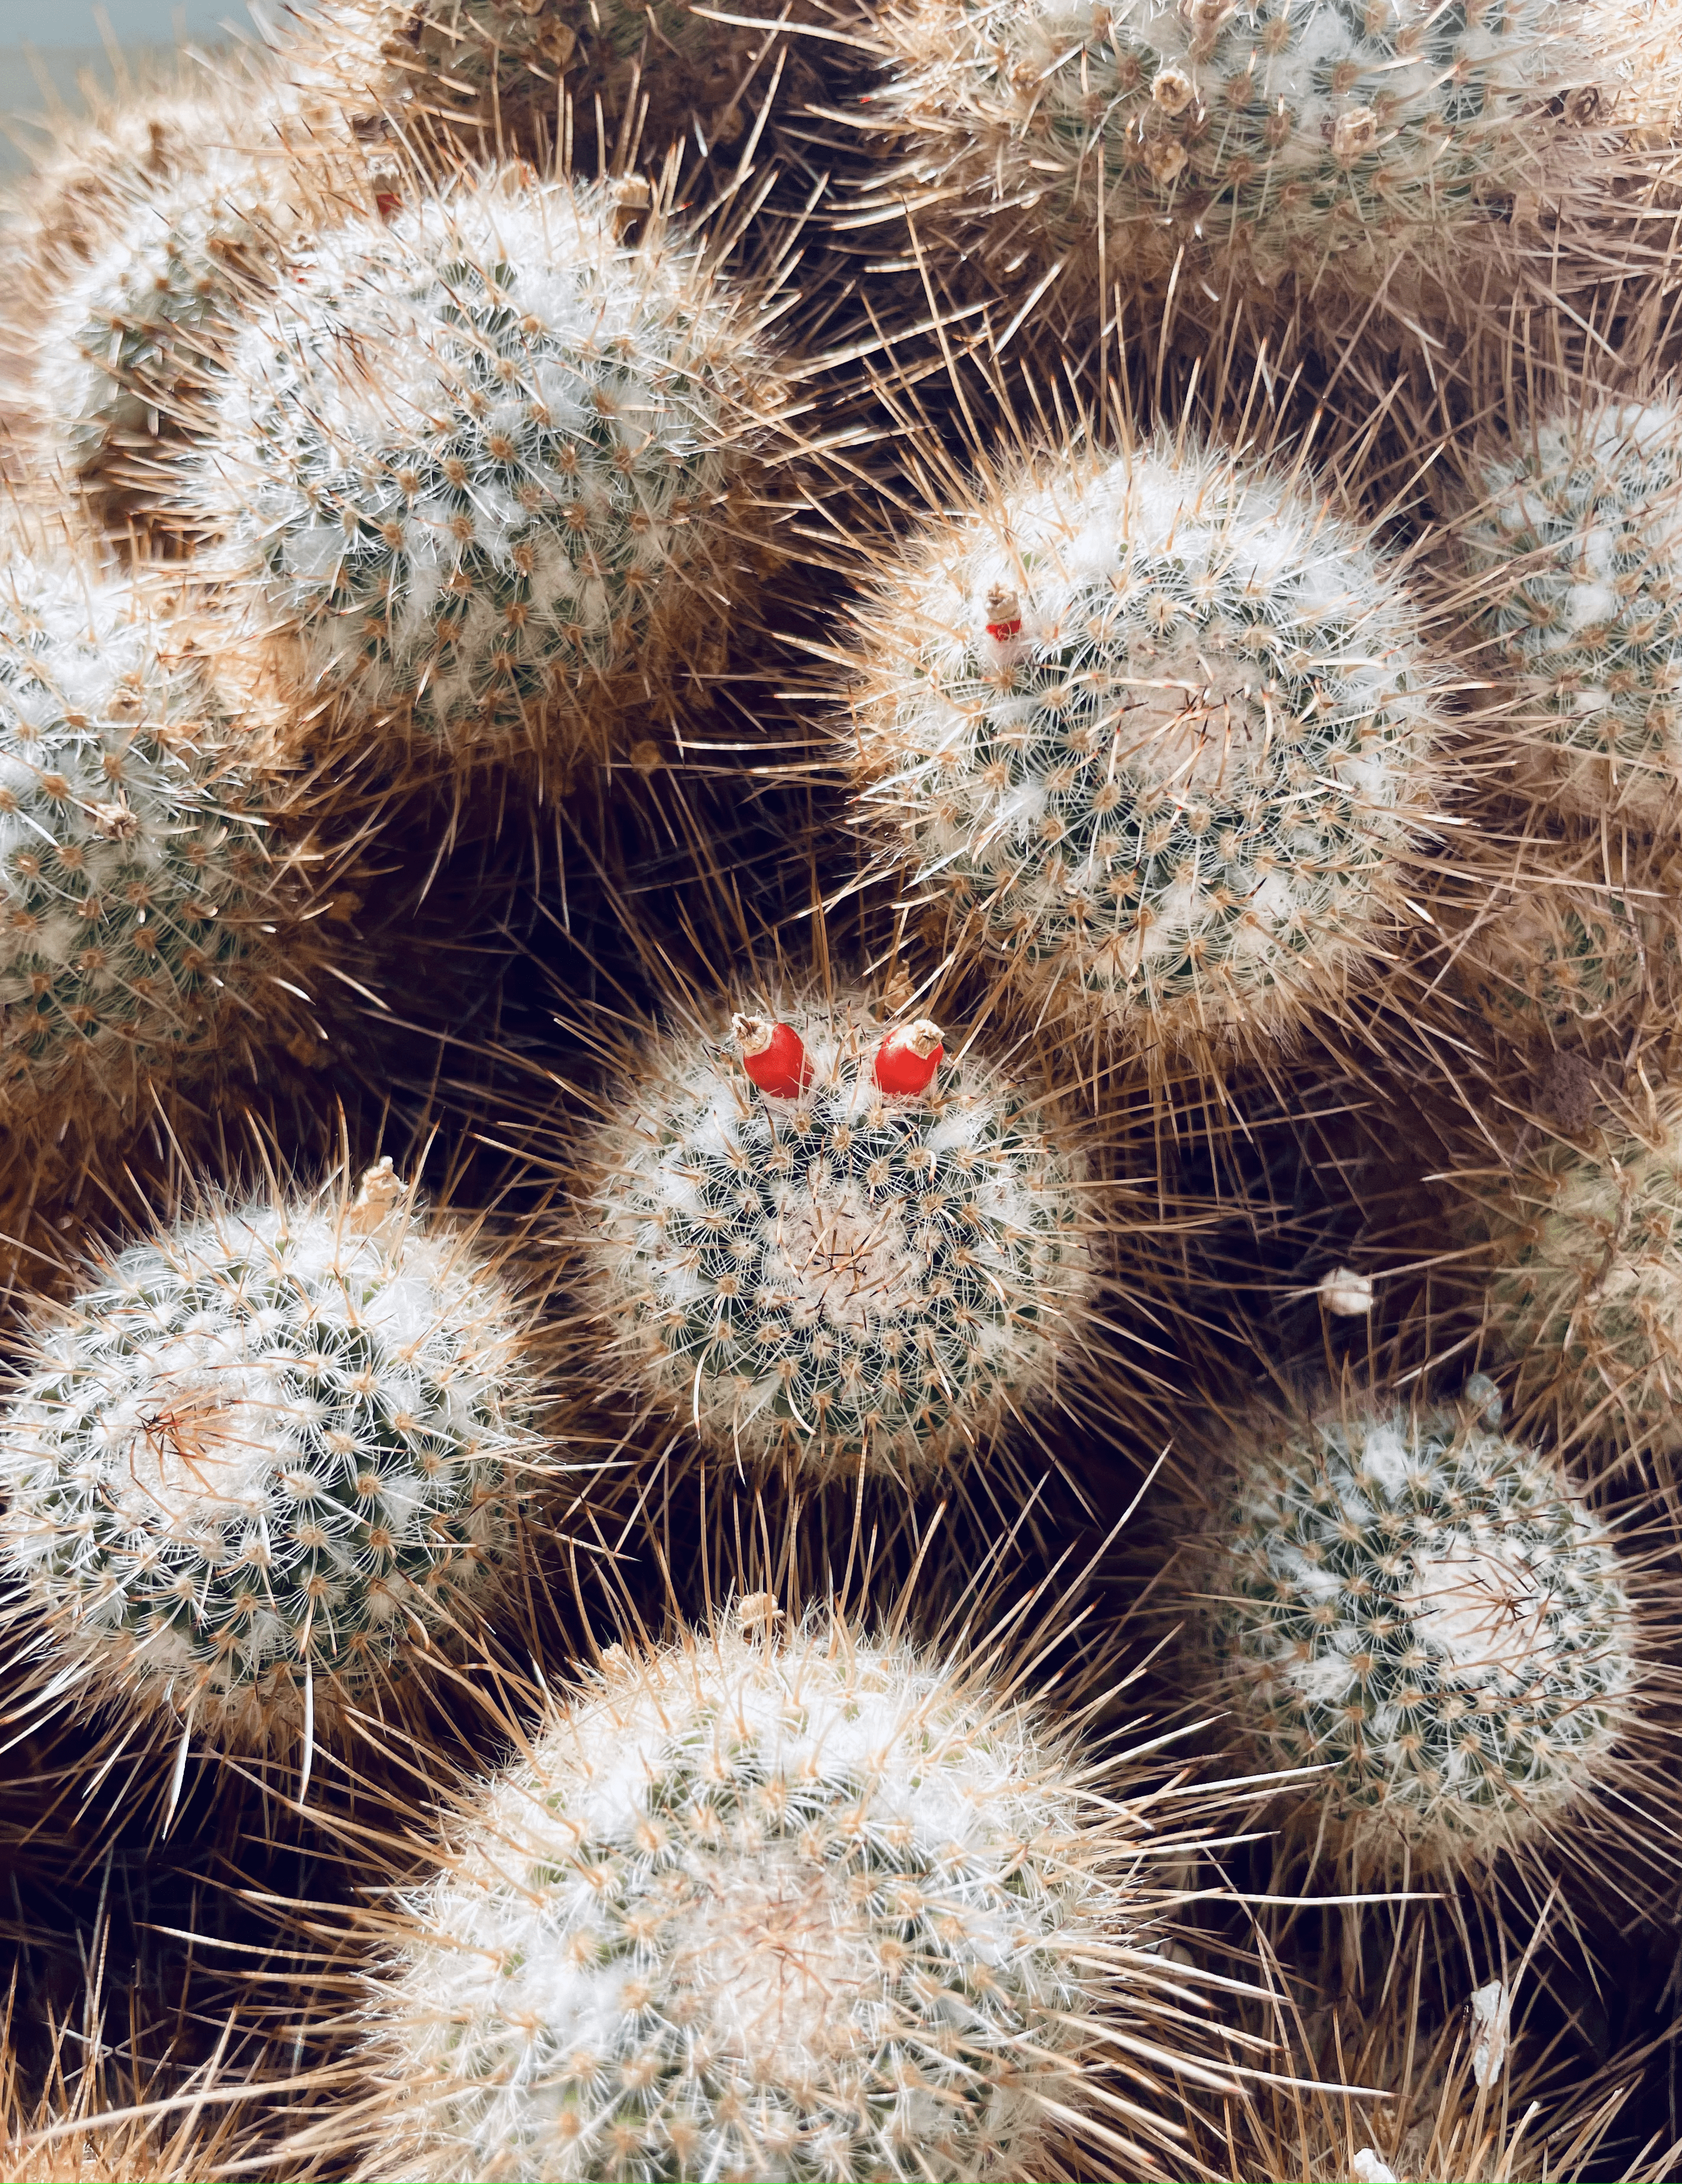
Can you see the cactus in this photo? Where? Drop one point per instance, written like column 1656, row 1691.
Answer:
column 826, row 1272
column 1586, row 1295
column 1563, row 960
column 825, row 1907
column 152, row 924
column 131, row 343
column 507, row 71
column 1338, row 137
column 1424, row 1609
column 1576, row 547
column 477, row 465
column 1159, row 728
column 263, row 1461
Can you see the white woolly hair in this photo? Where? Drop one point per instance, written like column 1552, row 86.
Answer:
column 849, row 1279
column 264, row 1460
column 1184, row 799
column 815, row 1907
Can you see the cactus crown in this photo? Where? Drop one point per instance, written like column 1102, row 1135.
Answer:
column 822, row 1908
column 1351, row 129
column 134, row 873
column 1576, row 541
column 263, row 1455
column 477, row 458
column 848, row 1276
column 1423, row 1607
column 1160, row 726
column 1587, row 1295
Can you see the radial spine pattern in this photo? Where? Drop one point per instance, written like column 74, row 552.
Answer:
column 846, row 1275
column 477, row 463
column 818, row 1910
column 1425, row 1609
column 1159, row 728
column 264, row 1460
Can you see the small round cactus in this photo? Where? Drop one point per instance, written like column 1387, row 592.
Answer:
column 1576, row 544
column 819, row 1908
column 269, row 1454
column 1160, row 727
column 132, row 341
column 516, row 72
column 478, row 465
column 825, row 1243
column 150, row 922
column 1337, row 137
column 1587, row 1291
column 1558, row 961
column 1422, row 1608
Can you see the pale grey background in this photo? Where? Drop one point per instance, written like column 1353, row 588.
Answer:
column 62, row 40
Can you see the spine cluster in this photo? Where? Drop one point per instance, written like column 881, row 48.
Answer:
column 264, row 1459
column 1564, row 960
column 1161, row 729
column 1425, row 1609
column 819, row 1908
column 477, row 463
column 836, row 1269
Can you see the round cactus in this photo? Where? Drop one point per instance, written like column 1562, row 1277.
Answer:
column 1587, row 1292
column 522, row 72
column 268, row 1453
column 1340, row 136
column 150, row 922
column 1563, row 960
column 823, row 1909
column 1576, row 546
column 846, row 1249
column 131, row 344
column 478, row 467
column 1159, row 728
column 1424, row 1608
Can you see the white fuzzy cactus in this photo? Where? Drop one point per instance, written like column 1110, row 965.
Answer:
column 475, row 466
column 822, row 1908
column 1159, row 727
column 1426, row 1609
column 264, row 1461
column 1586, row 1294
column 1345, row 135
column 148, row 925
column 844, row 1275
column 1576, row 545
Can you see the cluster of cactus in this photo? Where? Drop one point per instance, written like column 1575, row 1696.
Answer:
column 269, row 1454
column 1576, row 542
column 1160, row 728
column 151, row 920
column 477, row 463
column 1425, row 1610
column 835, row 1247
column 815, row 1907
column 1296, row 134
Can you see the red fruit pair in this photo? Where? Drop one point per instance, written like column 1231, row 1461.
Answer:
column 775, row 1058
